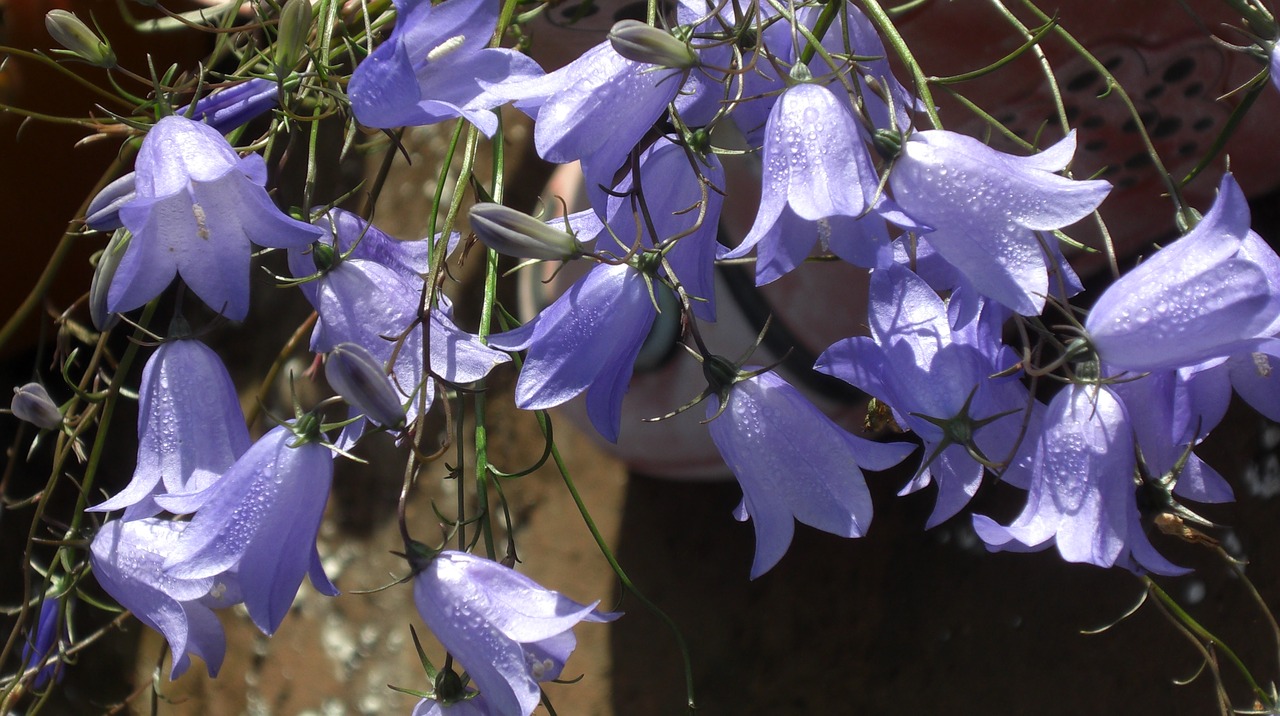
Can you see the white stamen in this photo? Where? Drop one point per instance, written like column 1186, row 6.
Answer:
column 445, row 48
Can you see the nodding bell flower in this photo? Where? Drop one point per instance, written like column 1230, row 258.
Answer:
column 639, row 42
column 224, row 110
column 474, row 706
column 190, row 429
column 127, row 560
column 507, row 631
column 197, row 208
column 587, row 340
column 516, row 234
column 81, row 42
column 793, row 463
column 359, row 378
column 1211, row 294
column 260, row 521
column 991, row 211
column 32, row 403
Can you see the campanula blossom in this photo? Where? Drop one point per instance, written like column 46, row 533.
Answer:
column 1103, row 467
column 587, row 340
column 778, row 48
column 938, row 382
column 127, row 559
column 673, row 193
column 223, row 110
column 1083, row 488
column 794, row 463
column 1209, row 295
column 474, row 706
column 506, row 630
column 596, row 109
column 190, row 428
column 816, row 166
column 261, row 520
column 197, row 208
column 371, row 298
column 991, row 212
column 437, row 66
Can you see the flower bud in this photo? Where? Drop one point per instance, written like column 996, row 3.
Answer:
column 639, row 42
column 103, row 273
column 358, row 377
column 32, row 403
column 295, row 27
column 232, row 107
column 517, row 234
column 71, row 33
column 104, row 210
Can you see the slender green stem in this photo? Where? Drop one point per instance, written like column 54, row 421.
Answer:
column 1195, row 628
column 895, row 40
column 617, row 568
column 38, row 57
column 825, row 18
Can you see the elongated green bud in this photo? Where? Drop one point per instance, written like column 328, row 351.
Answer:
column 358, row 377
column 81, row 42
column 639, row 42
column 295, row 27
column 517, row 234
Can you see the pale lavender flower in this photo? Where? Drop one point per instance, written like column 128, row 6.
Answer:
column 596, row 109
column 1082, row 492
column 506, row 630
column 672, row 190
column 261, row 520
column 32, row 403
column 198, row 207
column 586, row 341
column 816, row 166
column 938, row 382
column 223, row 110
column 991, row 212
column 437, row 66
column 794, row 463
column 777, row 44
column 190, row 428
column 1273, row 64
column 127, row 559
column 1089, row 493
column 1209, row 295
column 1176, row 410
column 371, row 298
